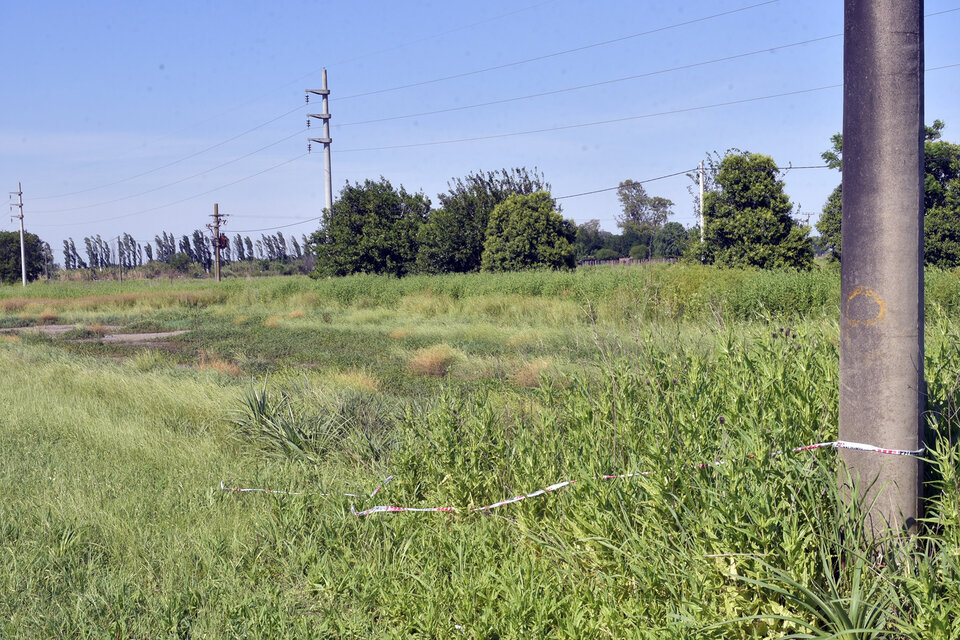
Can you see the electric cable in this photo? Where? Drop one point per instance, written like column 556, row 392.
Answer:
column 516, row 63
column 682, row 173
column 182, row 200
column 591, row 124
column 592, row 84
column 175, row 182
column 283, row 226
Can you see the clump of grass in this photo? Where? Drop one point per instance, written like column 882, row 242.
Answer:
column 530, row 373
column 278, row 426
column 47, row 316
column 9, row 338
column 296, row 313
column 524, row 338
column 149, row 360
column 357, row 379
column 401, row 333
column 209, row 361
column 433, row 361
column 272, row 322
column 97, row 329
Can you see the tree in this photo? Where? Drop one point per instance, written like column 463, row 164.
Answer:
column 10, row 265
column 180, row 261
column 590, row 239
column 371, row 228
column 452, row 240
column 527, row 232
column 748, row 219
column 941, row 199
column 670, row 241
column 641, row 211
column 829, row 223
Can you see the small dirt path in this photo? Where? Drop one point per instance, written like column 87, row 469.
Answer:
column 135, row 339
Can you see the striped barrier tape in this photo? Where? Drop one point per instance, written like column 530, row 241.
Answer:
column 837, row 444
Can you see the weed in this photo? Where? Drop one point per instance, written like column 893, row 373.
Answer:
column 433, row 361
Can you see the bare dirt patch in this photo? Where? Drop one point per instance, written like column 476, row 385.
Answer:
column 132, row 339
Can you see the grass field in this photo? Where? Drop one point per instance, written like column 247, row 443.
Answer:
column 467, row 390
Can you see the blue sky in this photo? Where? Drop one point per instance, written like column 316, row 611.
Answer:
column 127, row 117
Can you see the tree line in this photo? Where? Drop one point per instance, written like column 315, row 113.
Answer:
column 195, row 248
column 507, row 219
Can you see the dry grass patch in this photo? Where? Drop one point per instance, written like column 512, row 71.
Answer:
column 238, row 320
column 212, row 362
column 47, row 316
column 358, row 379
column 272, row 322
column 433, row 361
column 529, row 374
column 97, row 328
column 401, row 333
column 9, row 338
column 296, row 313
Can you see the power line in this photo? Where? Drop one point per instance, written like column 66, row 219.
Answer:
column 286, row 113
column 587, row 193
column 178, row 161
column 557, row 53
column 175, row 182
column 611, row 120
column 594, row 123
column 182, row 200
column 594, row 84
column 283, row 226
column 681, row 173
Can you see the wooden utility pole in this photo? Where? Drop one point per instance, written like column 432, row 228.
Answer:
column 23, row 251
column 215, row 228
column 882, row 392
column 324, row 93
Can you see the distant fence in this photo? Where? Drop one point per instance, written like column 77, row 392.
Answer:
column 624, row 261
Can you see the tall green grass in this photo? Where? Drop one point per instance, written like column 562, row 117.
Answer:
column 114, row 524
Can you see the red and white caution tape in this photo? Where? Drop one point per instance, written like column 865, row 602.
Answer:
column 837, row 444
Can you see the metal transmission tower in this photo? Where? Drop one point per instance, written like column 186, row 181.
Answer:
column 324, row 92
column 219, row 241
column 23, row 251
column 881, row 309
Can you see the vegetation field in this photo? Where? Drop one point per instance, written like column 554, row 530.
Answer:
column 466, row 390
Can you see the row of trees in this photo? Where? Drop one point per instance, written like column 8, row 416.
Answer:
column 507, row 220
column 197, row 248
column 495, row 220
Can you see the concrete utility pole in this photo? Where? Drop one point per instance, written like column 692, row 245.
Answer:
column 217, row 243
column 881, row 313
column 324, row 92
column 23, row 251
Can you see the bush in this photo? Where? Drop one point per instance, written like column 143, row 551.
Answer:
column 607, row 254
column 639, row 252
